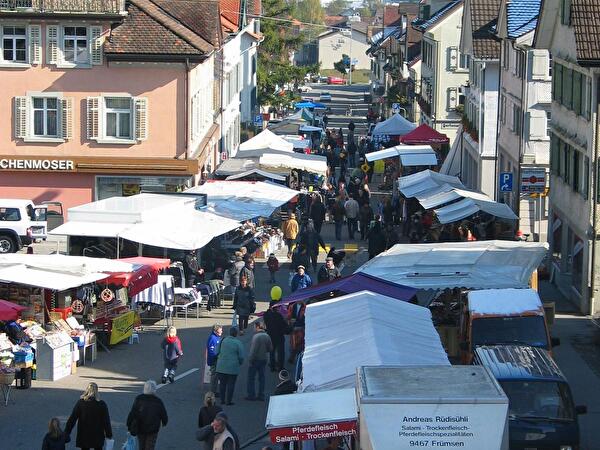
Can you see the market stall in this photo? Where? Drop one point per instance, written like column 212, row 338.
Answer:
column 312, row 416
column 264, row 141
column 424, row 135
column 308, row 163
column 392, row 129
column 368, row 329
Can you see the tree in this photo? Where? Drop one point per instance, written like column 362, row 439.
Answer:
column 311, row 11
column 335, row 7
column 369, row 7
column 343, row 65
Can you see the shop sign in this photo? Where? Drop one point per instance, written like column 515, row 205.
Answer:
column 533, row 180
column 122, row 327
column 36, row 164
column 312, row 432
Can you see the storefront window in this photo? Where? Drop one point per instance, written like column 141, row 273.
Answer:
column 107, row 186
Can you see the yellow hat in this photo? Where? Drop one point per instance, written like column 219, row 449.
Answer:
column 276, row 293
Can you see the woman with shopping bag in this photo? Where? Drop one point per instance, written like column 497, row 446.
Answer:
column 93, row 422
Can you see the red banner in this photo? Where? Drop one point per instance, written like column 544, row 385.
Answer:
column 312, row 432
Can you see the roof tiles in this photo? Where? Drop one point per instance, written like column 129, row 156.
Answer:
column 484, row 16
column 585, row 18
column 522, row 17
column 424, row 25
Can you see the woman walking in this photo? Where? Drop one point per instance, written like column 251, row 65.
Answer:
column 209, row 411
column 146, row 416
column 93, row 422
column 229, row 360
column 171, row 346
column 243, row 303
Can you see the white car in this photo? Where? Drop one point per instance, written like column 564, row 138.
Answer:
column 21, row 223
column 325, row 97
column 305, row 88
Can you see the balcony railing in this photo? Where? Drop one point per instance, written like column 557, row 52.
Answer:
column 63, row 6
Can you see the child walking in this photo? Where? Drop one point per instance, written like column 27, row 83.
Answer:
column 55, row 439
column 273, row 266
column 171, row 346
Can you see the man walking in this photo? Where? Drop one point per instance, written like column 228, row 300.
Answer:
column 351, row 208
column 211, row 355
column 328, row 271
column 260, row 346
column 338, row 212
column 277, row 327
column 248, row 272
column 290, row 232
column 301, row 280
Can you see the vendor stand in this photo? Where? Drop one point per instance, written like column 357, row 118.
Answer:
column 306, row 420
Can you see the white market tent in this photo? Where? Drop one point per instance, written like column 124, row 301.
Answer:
column 394, row 126
column 243, row 200
column 431, row 200
column 261, row 173
column 469, row 206
column 361, row 329
column 265, row 141
column 425, row 181
column 161, row 220
column 311, row 408
column 474, row 265
column 297, row 141
column 504, row 302
column 410, row 155
column 57, row 272
column 309, row 163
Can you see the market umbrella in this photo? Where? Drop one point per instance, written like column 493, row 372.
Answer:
column 9, row 310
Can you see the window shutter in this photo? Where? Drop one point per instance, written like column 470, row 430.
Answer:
column 96, row 45
column 452, row 58
column 52, row 48
column 35, row 44
column 452, row 98
column 66, row 118
column 93, row 117
column 141, row 118
column 21, row 117
column 539, row 65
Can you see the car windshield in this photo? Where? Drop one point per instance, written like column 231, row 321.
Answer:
column 527, row 330
column 539, row 399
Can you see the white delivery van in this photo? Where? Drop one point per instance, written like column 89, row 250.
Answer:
column 430, row 407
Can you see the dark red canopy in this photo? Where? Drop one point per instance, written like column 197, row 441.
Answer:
column 424, row 135
column 9, row 310
column 145, row 274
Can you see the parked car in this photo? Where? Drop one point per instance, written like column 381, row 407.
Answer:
column 322, row 79
column 325, row 97
column 541, row 410
column 21, row 223
column 335, row 80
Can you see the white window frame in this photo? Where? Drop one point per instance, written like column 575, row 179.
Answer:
column 45, row 111
column 118, row 112
column 104, row 138
column 75, row 38
column 14, row 37
column 30, row 137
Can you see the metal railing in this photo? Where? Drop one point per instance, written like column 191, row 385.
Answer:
column 60, row 6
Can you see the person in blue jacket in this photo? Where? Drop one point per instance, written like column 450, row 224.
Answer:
column 211, row 355
column 301, row 280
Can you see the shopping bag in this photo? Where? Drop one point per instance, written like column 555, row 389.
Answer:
column 234, row 320
column 206, row 377
column 109, row 444
column 131, row 443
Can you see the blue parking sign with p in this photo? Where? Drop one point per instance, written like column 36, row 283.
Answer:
column 506, row 182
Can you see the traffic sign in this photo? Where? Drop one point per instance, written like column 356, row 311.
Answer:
column 258, row 119
column 533, row 180
column 506, row 182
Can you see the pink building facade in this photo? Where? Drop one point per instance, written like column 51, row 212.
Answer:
column 104, row 102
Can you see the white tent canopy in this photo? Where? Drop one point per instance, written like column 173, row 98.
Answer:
column 394, row 126
column 504, row 301
column 426, row 180
column 364, row 328
column 47, row 279
column 310, row 163
column 243, row 200
column 451, row 165
column 297, row 141
column 469, row 206
column 410, row 155
column 265, row 141
column 161, row 220
column 262, row 173
column 475, row 265
column 431, row 199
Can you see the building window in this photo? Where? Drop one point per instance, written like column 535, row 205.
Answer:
column 45, row 116
column 517, row 120
column 14, row 44
column 520, row 68
column 75, row 45
column 565, row 12
column 557, row 81
column 118, row 117
column 548, row 122
column 506, row 61
column 463, row 61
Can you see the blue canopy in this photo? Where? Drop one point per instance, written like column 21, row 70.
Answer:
column 310, row 105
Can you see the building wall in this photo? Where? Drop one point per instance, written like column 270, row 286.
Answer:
column 233, row 75
column 250, row 63
column 334, row 45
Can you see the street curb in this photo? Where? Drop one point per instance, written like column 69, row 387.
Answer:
column 260, row 435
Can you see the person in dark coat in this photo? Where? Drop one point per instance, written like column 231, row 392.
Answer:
column 328, row 271
column 248, row 272
column 391, row 236
column 277, row 328
column 317, row 213
column 93, row 422
column 365, row 215
column 300, row 257
column 243, row 303
column 209, row 411
column 207, row 434
column 377, row 240
column 55, row 439
column 146, row 416
column 286, row 385
column 312, row 240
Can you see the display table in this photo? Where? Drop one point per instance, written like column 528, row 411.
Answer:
column 54, row 357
